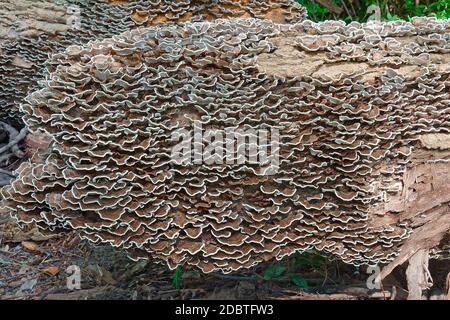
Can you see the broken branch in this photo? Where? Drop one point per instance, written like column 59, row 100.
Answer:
column 13, row 141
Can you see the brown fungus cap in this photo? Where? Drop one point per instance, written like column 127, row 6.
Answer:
column 30, row 31
column 354, row 110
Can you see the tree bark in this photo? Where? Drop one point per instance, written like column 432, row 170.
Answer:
column 418, row 275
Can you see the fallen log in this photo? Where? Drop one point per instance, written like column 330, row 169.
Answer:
column 360, row 170
column 31, row 30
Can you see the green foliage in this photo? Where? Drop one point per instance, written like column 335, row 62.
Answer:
column 440, row 9
column 390, row 10
column 391, row 17
column 299, row 281
column 274, row 271
column 291, row 268
column 315, row 10
column 308, row 259
column 176, row 279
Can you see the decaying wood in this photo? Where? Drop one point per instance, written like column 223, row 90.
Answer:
column 447, row 286
column 6, row 157
column 435, row 141
column 349, row 293
column 393, row 293
column 12, row 134
column 13, row 141
column 355, row 152
column 5, row 182
column 80, row 294
column 9, row 149
column 7, row 172
column 427, row 236
column 424, row 201
column 418, row 275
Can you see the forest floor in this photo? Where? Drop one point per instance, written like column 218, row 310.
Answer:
column 35, row 266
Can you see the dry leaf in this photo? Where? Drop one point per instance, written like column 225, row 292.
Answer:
column 30, row 246
column 52, row 270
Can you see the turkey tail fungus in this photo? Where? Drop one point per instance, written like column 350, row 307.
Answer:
column 32, row 30
column 363, row 115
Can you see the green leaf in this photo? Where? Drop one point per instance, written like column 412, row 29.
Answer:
column 318, row 260
column 299, row 281
column 391, row 17
column 275, row 270
column 306, row 259
column 176, row 280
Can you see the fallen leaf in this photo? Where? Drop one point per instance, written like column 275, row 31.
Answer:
column 51, row 270
column 30, row 246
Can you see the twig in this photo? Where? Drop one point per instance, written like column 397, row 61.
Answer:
column 326, row 276
column 346, row 9
column 14, row 138
column 330, row 6
column 447, row 285
column 232, row 277
column 13, row 142
column 4, row 217
column 353, row 8
column 350, row 288
column 394, row 293
column 7, row 172
column 6, row 157
column 5, row 182
column 27, row 296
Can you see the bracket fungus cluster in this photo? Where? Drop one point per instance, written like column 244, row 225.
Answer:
column 362, row 111
column 31, row 30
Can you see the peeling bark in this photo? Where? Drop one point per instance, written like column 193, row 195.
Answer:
column 418, row 275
